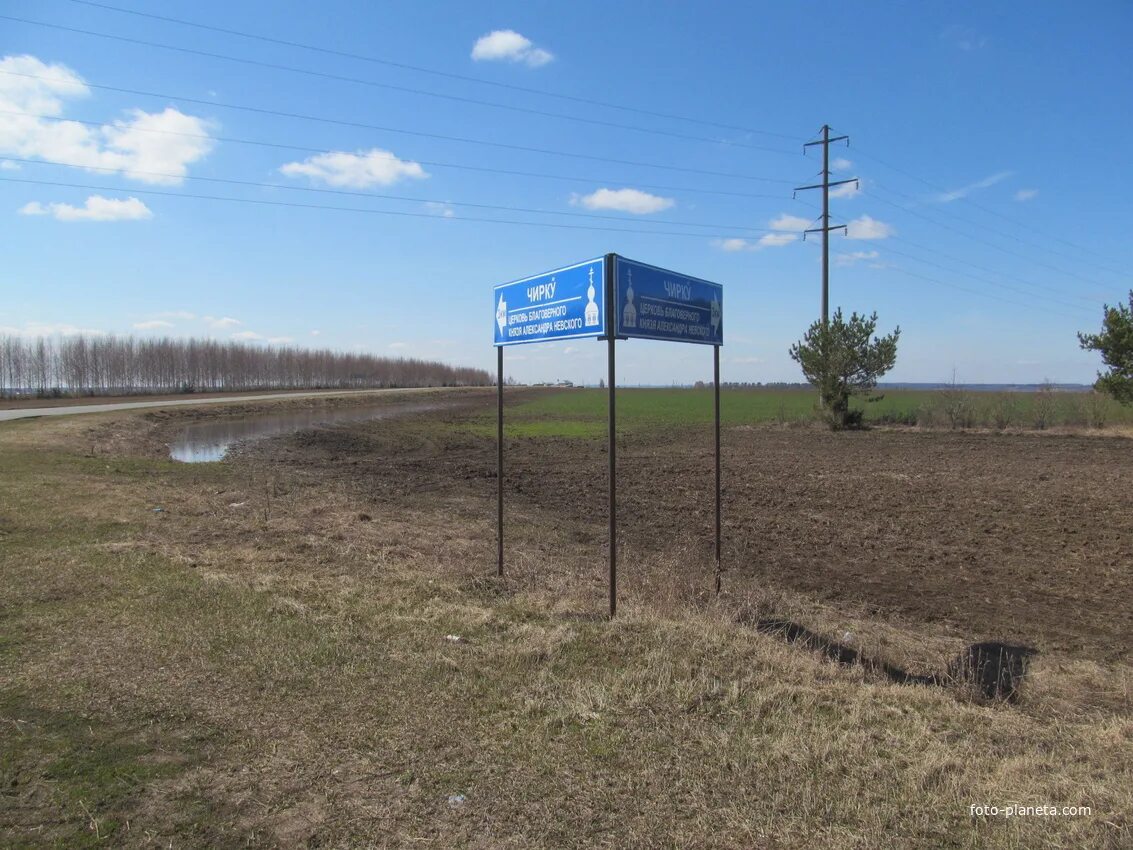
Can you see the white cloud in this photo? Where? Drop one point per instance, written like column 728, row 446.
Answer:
column 768, row 240
column 855, row 257
column 623, row 200
column 440, row 208
column 158, row 143
column 39, row 87
column 964, row 38
column 359, row 170
column 165, row 142
column 509, row 46
column 846, row 190
column 247, row 335
column 152, row 325
column 8, row 165
column 220, row 324
column 280, row 340
column 734, row 244
column 177, row 314
column 868, row 228
column 96, row 208
column 398, row 345
column 34, row 329
column 787, row 229
column 315, row 333
column 964, row 191
column 790, row 223
column 841, row 164
column 1026, row 194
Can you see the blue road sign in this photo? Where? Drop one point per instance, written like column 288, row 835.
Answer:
column 561, row 304
column 654, row 303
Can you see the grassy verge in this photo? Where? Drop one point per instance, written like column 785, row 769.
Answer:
column 274, row 660
column 582, row 412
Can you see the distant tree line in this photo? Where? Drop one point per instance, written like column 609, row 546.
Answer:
column 112, row 365
column 748, row 385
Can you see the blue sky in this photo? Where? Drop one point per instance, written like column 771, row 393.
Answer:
column 1013, row 117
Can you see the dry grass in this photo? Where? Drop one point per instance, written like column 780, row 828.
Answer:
column 257, row 665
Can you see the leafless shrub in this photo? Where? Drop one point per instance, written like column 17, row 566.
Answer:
column 957, row 405
column 930, row 413
column 1095, row 409
column 1043, row 408
column 1004, row 410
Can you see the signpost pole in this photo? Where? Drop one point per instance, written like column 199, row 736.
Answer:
column 611, row 336
column 716, row 388
column 645, row 302
column 500, row 460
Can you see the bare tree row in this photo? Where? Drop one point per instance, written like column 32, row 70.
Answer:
column 111, row 365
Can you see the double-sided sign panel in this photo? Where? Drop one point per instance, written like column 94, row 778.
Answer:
column 653, row 303
column 560, row 304
column 615, row 298
column 649, row 303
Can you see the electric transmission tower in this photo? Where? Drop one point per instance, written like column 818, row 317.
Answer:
column 825, row 186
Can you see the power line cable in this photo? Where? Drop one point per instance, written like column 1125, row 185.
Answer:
column 430, row 163
column 329, row 51
column 422, row 134
column 1029, row 305
column 1010, row 236
column 274, row 66
column 445, row 74
column 979, row 239
column 955, row 259
column 1022, row 304
column 403, row 214
column 291, row 188
column 983, row 241
column 996, row 213
column 1024, row 281
column 400, row 213
column 978, row 206
column 483, row 206
column 982, row 294
column 970, row 276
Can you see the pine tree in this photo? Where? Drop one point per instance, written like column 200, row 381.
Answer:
column 843, row 358
column 1115, row 343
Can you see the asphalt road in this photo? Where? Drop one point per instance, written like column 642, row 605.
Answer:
column 71, row 409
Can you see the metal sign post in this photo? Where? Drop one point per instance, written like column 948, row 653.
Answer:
column 716, row 392
column 500, row 461
column 637, row 300
column 562, row 304
column 655, row 303
column 612, row 432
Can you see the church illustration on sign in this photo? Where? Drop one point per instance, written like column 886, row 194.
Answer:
column 591, row 314
column 501, row 313
column 629, row 314
column 715, row 316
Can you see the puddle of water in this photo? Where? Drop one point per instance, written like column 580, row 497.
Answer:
column 206, row 442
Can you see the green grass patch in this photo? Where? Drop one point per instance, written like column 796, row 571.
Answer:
column 582, row 413
column 94, row 771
